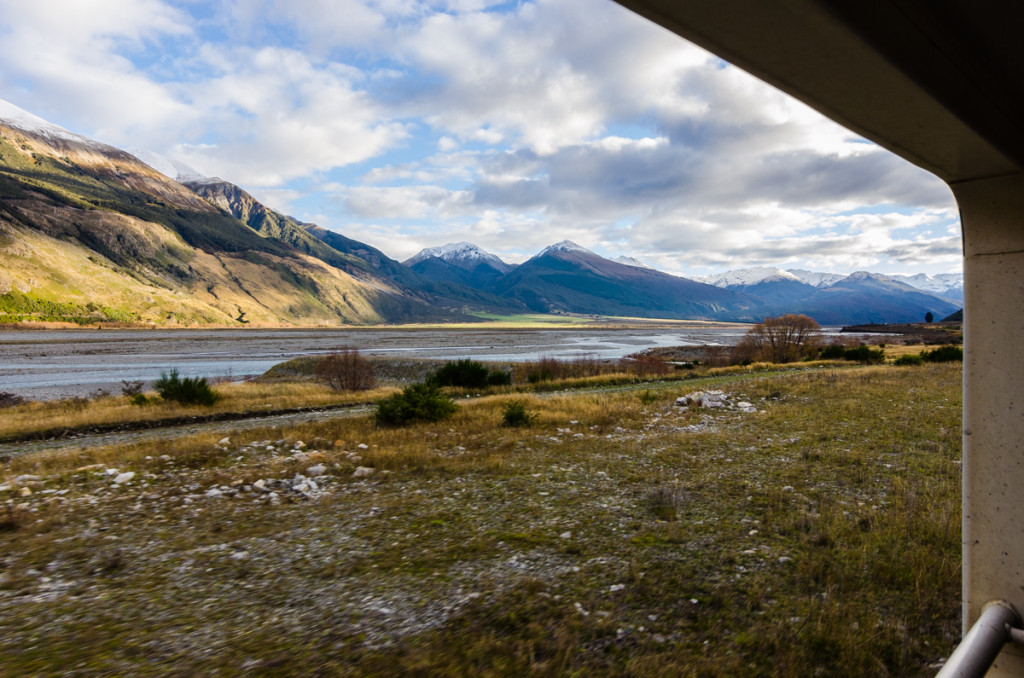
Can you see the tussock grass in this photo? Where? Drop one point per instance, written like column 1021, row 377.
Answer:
column 616, row 535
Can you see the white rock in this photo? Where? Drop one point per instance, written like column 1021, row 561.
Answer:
column 363, row 471
column 124, row 477
column 363, row 446
column 566, row 535
column 260, row 484
column 111, row 471
column 224, row 441
column 240, row 555
column 616, row 587
column 214, row 493
column 315, row 471
column 298, row 445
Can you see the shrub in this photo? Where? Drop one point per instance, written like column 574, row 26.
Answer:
column 466, row 373
column 418, row 402
column 10, row 400
column 547, row 369
column 865, row 354
column 833, row 352
column 187, row 391
column 499, row 378
column 346, row 370
column 943, row 354
column 908, row 360
column 644, row 365
column 131, row 388
column 516, row 415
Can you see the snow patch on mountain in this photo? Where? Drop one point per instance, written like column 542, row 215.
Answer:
column 168, row 167
column 748, row 276
column 19, row 118
column 817, row 279
column 630, row 261
column 941, row 283
column 462, row 254
column 564, row 246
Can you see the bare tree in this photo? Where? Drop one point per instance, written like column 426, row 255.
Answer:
column 346, row 370
column 781, row 340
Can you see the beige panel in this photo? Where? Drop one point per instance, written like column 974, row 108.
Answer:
column 993, row 455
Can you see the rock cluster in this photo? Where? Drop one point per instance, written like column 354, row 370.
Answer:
column 713, row 399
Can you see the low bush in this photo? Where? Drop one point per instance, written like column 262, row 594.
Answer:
column 549, row 369
column 131, row 388
column 833, row 352
column 10, row 400
column 418, row 402
column 516, row 415
column 943, row 354
column 187, row 391
column 864, row 354
column 908, row 359
column 468, row 373
column 644, row 365
column 346, row 370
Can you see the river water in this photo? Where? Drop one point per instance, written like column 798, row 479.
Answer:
column 62, row 363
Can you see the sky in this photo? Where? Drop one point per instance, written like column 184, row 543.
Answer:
column 512, row 125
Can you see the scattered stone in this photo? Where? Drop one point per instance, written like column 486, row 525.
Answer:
column 363, row 471
column 298, row 445
column 240, row 555
column 214, row 493
column 224, row 441
column 785, row 559
column 123, row 478
column 316, row 471
column 25, row 492
column 566, row 535
column 363, row 446
column 616, row 587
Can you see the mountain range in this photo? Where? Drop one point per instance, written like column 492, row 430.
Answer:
column 89, row 232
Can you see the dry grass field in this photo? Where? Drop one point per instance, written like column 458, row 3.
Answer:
column 815, row 532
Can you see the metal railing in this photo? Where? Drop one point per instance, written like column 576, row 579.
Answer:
column 999, row 622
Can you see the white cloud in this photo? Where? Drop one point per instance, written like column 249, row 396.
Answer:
column 278, row 115
column 510, row 126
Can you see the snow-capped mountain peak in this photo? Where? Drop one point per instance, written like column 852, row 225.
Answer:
column 816, row 279
column 564, row 246
column 748, row 276
column 21, row 119
column 461, row 254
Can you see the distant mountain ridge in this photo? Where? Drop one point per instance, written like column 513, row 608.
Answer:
column 90, row 232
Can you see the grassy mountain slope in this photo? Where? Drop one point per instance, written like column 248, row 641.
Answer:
column 86, row 227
